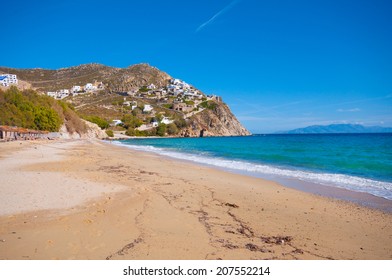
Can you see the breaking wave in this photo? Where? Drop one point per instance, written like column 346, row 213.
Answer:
column 353, row 183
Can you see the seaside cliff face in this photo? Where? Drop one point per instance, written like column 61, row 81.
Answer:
column 194, row 113
column 219, row 121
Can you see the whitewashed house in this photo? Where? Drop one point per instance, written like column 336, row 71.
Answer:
column 151, row 86
column 3, row 81
column 90, row 87
column 52, row 94
column 175, row 81
column 76, row 89
column 116, row 122
column 166, row 120
column 57, row 94
column 64, row 91
column 8, row 79
column 147, row 108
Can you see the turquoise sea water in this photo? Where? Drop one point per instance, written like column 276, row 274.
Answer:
column 358, row 162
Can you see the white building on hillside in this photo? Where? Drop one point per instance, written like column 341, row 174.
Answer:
column 8, row 79
column 64, row 91
column 180, row 84
column 147, row 108
column 151, row 86
column 90, row 87
column 58, row 94
column 166, row 120
column 116, row 122
column 76, row 89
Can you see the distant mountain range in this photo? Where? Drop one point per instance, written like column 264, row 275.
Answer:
column 338, row 128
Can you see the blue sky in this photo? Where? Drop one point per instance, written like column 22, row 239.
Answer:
column 278, row 64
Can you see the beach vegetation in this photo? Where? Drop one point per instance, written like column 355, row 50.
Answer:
column 138, row 133
column 172, row 129
column 102, row 123
column 109, row 133
column 161, row 129
column 131, row 121
column 29, row 110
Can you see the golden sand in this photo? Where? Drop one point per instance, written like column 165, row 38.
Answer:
column 92, row 200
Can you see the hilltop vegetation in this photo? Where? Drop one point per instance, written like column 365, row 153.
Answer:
column 28, row 109
column 115, row 79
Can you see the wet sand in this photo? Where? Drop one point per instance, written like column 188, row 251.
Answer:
column 92, row 200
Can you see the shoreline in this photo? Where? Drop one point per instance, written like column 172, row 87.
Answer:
column 364, row 199
column 144, row 206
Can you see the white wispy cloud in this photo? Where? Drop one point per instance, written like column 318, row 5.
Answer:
column 212, row 19
column 349, row 110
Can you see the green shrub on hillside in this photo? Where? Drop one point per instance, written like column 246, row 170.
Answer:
column 161, row 129
column 110, row 133
column 29, row 110
column 103, row 124
column 143, row 89
column 172, row 129
column 131, row 121
column 135, row 132
column 211, row 105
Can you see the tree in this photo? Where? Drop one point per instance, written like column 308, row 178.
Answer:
column 172, row 129
column 131, row 121
column 29, row 110
column 161, row 129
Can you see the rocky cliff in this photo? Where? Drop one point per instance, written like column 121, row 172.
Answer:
column 216, row 121
column 91, row 131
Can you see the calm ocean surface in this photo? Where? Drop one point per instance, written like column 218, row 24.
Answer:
column 358, row 162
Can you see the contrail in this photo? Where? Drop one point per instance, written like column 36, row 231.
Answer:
column 211, row 20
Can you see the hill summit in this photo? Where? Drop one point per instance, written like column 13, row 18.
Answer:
column 139, row 99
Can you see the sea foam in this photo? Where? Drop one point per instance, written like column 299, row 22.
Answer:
column 353, row 183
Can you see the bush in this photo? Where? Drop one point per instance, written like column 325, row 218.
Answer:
column 135, row 132
column 46, row 119
column 161, row 129
column 211, row 105
column 110, row 133
column 189, row 102
column 172, row 129
column 131, row 121
column 180, row 123
column 143, row 89
column 103, row 124
column 167, row 106
column 29, row 110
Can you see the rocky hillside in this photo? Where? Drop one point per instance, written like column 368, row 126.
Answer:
column 146, row 100
column 218, row 121
column 114, row 79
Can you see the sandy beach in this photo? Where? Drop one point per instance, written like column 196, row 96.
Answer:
column 88, row 199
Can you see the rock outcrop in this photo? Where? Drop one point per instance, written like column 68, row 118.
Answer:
column 218, row 121
column 92, row 131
